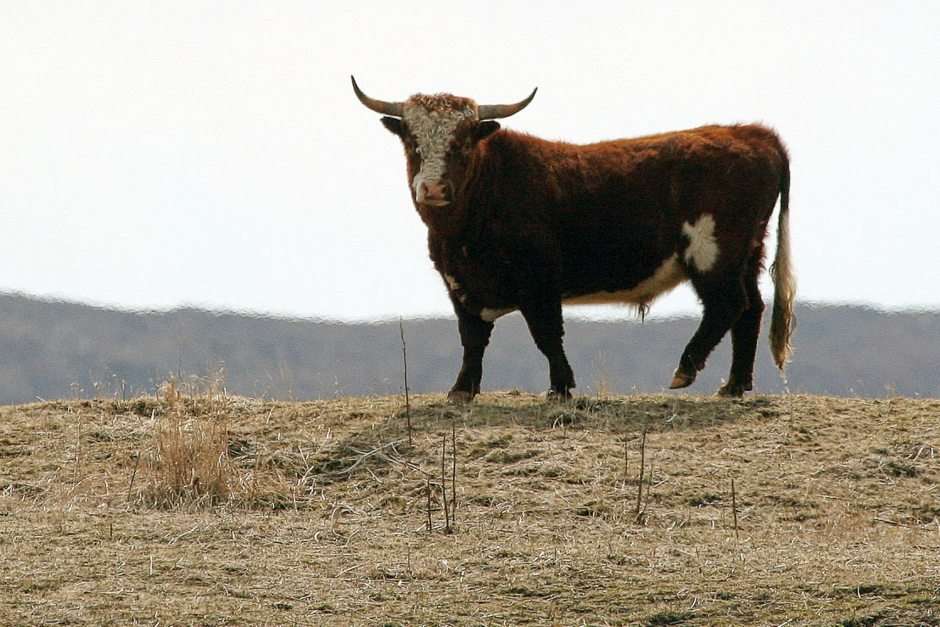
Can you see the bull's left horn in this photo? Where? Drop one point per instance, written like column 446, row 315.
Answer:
column 491, row 112
column 379, row 106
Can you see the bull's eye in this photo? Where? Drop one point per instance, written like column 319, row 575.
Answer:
column 418, row 150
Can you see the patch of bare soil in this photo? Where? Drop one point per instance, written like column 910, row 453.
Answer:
column 218, row 510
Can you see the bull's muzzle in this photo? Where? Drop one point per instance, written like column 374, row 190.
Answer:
column 433, row 193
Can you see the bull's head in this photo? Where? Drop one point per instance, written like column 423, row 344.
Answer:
column 439, row 134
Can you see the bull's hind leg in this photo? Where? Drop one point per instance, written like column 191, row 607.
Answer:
column 744, row 334
column 474, row 335
column 723, row 300
column 547, row 328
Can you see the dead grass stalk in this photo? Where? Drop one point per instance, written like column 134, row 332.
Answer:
column 404, row 359
column 639, row 481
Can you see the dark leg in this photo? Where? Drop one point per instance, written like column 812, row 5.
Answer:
column 474, row 335
column 724, row 301
column 547, row 328
column 744, row 335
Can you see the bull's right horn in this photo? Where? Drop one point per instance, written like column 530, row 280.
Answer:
column 379, row 106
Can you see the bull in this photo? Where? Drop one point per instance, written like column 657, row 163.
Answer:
column 519, row 223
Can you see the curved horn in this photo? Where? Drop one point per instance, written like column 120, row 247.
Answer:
column 379, row 106
column 491, row 112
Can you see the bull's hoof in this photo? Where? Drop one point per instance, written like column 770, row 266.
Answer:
column 681, row 379
column 732, row 389
column 460, row 397
column 558, row 396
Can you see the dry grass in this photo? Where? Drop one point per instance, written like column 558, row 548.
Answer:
column 189, row 461
column 220, row 510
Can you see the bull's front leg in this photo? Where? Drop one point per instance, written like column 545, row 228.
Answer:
column 543, row 315
column 474, row 336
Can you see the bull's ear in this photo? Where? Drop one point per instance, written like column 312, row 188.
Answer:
column 484, row 129
column 392, row 124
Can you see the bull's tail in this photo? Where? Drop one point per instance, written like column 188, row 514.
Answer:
column 783, row 321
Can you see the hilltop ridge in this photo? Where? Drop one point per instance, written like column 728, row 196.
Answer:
column 318, row 511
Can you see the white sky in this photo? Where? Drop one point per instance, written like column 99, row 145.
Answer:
column 156, row 154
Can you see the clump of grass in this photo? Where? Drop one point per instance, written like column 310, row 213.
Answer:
column 190, row 462
column 194, row 461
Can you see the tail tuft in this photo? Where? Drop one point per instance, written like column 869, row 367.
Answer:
column 783, row 320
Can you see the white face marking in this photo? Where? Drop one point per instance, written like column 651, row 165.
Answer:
column 433, row 131
column 703, row 249
column 492, row 314
column 668, row 275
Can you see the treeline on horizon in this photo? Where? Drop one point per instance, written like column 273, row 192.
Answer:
column 51, row 349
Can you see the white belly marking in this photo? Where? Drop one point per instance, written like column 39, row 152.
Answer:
column 668, row 275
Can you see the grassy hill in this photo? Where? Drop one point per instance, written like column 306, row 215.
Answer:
column 227, row 510
column 55, row 350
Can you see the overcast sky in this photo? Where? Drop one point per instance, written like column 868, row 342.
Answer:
column 158, row 154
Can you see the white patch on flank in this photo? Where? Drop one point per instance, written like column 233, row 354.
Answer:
column 668, row 275
column 492, row 314
column 703, row 249
column 433, row 131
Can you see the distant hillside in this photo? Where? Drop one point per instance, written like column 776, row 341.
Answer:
column 56, row 349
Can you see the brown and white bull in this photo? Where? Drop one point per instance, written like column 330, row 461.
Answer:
column 520, row 223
